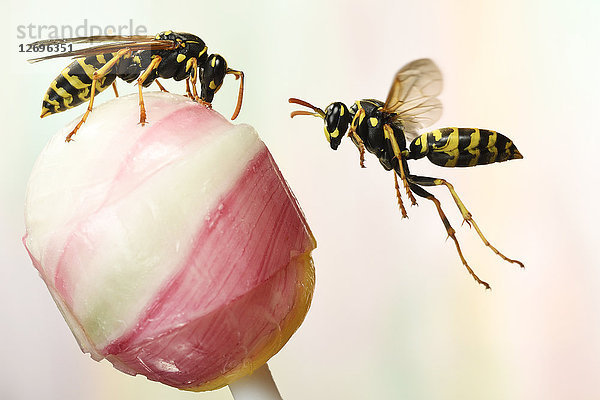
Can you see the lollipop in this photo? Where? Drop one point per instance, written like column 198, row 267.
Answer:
column 174, row 250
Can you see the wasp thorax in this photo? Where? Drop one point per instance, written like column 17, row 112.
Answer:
column 337, row 118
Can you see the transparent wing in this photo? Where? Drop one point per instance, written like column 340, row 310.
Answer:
column 109, row 48
column 94, row 39
column 412, row 96
column 422, row 115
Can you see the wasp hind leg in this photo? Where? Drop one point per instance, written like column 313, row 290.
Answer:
column 85, row 115
column 468, row 218
column 419, row 191
column 98, row 75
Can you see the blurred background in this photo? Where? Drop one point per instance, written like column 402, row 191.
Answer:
column 395, row 314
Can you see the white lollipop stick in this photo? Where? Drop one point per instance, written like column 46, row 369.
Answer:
column 257, row 386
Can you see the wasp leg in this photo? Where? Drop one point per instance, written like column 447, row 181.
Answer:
column 419, row 191
column 359, row 143
column 85, row 115
column 191, row 95
column 193, row 64
column 114, row 86
column 400, row 204
column 468, row 218
column 187, row 88
column 389, row 134
column 238, row 75
column 160, row 86
column 355, row 138
column 153, row 64
column 99, row 74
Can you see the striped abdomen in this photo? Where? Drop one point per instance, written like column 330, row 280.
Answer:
column 463, row 147
column 72, row 87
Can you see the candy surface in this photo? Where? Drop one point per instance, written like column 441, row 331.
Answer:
column 175, row 250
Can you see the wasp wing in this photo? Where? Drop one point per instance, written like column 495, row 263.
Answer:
column 110, row 48
column 421, row 115
column 94, row 39
column 412, row 96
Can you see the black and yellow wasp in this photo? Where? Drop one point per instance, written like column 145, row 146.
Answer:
column 143, row 59
column 384, row 128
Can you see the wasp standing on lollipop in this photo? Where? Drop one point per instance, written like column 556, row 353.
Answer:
column 384, row 129
column 143, row 59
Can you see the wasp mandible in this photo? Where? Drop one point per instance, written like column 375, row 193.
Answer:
column 384, row 129
column 143, row 59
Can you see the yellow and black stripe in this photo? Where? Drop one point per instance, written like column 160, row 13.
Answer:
column 463, row 147
column 72, row 86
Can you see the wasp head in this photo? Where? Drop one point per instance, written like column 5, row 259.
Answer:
column 212, row 74
column 336, row 116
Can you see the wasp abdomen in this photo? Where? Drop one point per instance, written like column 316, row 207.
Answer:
column 72, row 86
column 463, row 147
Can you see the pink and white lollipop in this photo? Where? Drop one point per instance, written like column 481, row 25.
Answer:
column 174, row 250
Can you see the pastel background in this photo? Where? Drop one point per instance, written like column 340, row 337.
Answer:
column 395, row 315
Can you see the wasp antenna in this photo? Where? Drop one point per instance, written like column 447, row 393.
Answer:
column 302, row 112
column 238, row 75
column 317, row 111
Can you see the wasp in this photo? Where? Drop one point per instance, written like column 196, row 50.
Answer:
column 390, row 131
column 143, row 59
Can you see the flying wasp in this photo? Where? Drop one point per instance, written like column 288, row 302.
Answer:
column 143, row 59
column 384, row 129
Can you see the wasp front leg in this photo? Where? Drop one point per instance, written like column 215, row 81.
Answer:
column 354, row 136
column 192, row 81
column 468, row 218
column 193, row 66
